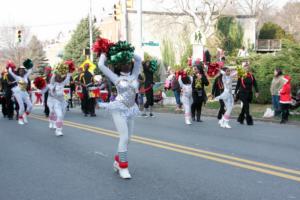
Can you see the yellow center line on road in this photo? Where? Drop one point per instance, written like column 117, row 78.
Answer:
column 233, row 161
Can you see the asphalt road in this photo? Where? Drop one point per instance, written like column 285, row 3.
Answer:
column 168, row 160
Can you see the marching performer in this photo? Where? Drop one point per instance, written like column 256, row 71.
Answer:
column 20, row 90
column 199, row 95
column 217, row 90
column 56, row 99
column 124, row 108
column 185, row 83
column 10, row 83
column 47, row 78
column 3, row 89
column 244, row 92
column 226, row 96
column 88, row 102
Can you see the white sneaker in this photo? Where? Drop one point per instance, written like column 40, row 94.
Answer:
column 58, row 132
column 25, row 120
column 188, row 121
column 226, row 124
column 123, row 172
column 221, row 122
column 20, row 122
column 116, row 166
column 51, row 125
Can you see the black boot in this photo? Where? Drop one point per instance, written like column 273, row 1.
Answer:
column 240, row 119
column 249, row 120
column 199, row 118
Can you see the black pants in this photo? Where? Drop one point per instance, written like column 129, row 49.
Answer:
column 222, row 109
column 246, row 99
column 197, row 107
column 88, row 104
column 46, row 108
column 149, row 98
column 284, row 112
column 9, row 104
column 4, row 107
column 70, row 102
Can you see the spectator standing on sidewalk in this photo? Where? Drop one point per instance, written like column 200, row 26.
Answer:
column 176, row 90
column 276, row 85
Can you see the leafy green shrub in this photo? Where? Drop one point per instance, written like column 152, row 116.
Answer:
column 263, row 66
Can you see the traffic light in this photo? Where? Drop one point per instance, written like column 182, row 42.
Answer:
column 129, row 3
column 117, row 12
column 19, row 36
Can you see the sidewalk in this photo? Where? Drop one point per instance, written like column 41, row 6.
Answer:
column 211, row 110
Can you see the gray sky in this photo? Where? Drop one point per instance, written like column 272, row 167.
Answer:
column 47, row 17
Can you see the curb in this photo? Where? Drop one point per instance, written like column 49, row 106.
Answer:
column 233, row 117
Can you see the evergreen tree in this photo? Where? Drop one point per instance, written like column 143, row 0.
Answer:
column 230, row 34
column 273, row 31
column 79, row 42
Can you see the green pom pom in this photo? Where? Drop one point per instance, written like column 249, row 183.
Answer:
column 153, row 65
column 28, row 64
column 120, row 53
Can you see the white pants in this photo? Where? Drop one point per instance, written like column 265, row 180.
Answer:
column 125, row 127
column 228, row 101
column 187, row 102
column 23, row 97
column 57, row 110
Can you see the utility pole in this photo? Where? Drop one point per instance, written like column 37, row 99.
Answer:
column 124, row 21
column 91, row 31
column 140, row 28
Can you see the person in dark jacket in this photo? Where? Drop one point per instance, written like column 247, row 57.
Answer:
column 148, row 89
column 87, row 80
column 217, row 90
column 3, row 89
column 47, row 78
column 244, row 92
column 199, row 94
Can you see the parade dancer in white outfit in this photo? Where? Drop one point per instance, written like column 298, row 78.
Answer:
column 56, row 102
column 20, row 93
column 227, row 96
column 124, row 108
column 186, row 97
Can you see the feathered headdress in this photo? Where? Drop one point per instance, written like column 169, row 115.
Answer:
column 241, row 72
column 65, row 67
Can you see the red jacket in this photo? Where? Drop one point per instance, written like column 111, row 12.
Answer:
column 285, row 92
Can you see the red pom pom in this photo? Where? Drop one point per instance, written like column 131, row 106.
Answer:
column 71, row 65
column 213, row 69
column 102, row 45
column 10, row 64
column 40, row 83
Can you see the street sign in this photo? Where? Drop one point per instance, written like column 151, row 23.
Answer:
column 150, row 43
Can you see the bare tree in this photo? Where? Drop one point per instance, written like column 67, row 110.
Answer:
column 262, row 9
column 12, row 49
column 202, row 13
column 289, row 19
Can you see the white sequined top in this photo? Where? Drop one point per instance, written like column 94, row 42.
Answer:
column 126, row 85
column 22, row 81
column 56, row 90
